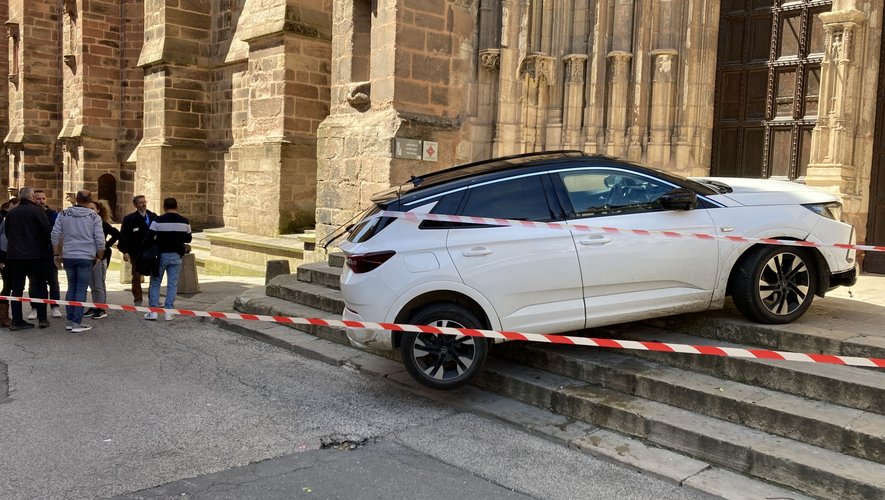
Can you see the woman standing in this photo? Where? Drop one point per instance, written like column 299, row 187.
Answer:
column 100, row 271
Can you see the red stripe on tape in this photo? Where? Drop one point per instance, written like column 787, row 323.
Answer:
column 827, row 358
column 765, row 354
column 559, row 339
column 710, row 350
column 513, row 336
column 283, row 319
column 607, row 343
column 657, row 346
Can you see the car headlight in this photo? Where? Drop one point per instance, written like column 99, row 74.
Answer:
column 831, row 210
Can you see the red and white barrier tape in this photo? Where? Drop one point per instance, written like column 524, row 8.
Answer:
column 734, row 352
column 614, row 230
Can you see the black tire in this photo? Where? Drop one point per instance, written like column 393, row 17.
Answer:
column 774, row 285
column 443, row 361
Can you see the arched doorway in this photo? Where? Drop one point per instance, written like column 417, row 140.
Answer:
column 107, row 190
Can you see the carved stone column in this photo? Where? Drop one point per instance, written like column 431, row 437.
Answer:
column 574, row 99
column 617, row 108
column 663, row 109
column 490, row 67
column 832, row 157
column 536, row 73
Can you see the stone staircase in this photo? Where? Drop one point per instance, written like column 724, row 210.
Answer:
column 818, row 429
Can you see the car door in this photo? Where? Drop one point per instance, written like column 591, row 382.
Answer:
column 630, row 277
column 531, row 276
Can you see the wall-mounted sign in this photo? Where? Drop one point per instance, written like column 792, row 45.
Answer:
column 410, row 149
column 430, row 151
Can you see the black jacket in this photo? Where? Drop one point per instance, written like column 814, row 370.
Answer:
column 133, row 233
column 28, row 232
column 171, row 231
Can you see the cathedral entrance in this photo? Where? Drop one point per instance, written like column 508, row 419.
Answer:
column 874, row 262
column 767, row 87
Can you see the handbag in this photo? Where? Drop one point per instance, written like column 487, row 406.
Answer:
column 148, row 261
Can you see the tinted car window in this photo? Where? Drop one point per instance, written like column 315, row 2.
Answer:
column 521, row 199
column 611, row 192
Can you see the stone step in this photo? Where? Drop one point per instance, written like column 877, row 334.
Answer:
column 227, row 267
column 859, row 388
column 255, row 301
column 336, row 259
column 807, row 468
column 288, row 287
column 320, row 274
column 837, row 428
column 831, row 326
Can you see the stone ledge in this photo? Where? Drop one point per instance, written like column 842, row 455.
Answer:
column 289, row 244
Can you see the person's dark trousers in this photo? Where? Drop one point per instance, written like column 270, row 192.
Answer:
column 35, row 271
column 137, row 293
column 52, row 279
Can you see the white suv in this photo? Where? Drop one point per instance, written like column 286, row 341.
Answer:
column 552, row 280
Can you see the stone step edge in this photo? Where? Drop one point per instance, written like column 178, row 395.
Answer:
column 748, row 451
column 826, row 425
column 781, row 376
column 601, row 443
column 255, row 301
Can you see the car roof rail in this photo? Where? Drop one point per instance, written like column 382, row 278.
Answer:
column 564, row 153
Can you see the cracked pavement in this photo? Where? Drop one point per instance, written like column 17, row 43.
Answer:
column 161, row 409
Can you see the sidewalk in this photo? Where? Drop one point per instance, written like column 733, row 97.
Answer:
column 870, row 288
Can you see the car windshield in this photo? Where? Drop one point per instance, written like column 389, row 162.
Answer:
column 698, row 187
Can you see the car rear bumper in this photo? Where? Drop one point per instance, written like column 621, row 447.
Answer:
column 366, row 339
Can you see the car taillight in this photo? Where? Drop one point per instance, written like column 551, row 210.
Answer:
column 367, row 262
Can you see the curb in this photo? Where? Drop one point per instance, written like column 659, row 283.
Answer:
column 581, row 436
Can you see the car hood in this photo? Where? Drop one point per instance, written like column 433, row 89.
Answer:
column 755, row 192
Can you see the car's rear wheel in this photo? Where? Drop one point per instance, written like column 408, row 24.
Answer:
column 775, row 285
column 443, row 361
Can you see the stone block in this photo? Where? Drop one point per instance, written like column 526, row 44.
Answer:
column 276, row 268
column 188, row 281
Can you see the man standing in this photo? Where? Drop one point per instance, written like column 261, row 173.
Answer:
column 172, row 232
column 132, row 235
column 79, row 243
column 27, row 233
column 52, row 275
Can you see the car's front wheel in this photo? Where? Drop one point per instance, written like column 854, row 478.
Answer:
column 443, row 361
column 774, row 285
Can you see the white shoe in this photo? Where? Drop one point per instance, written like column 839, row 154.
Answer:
column 81, row 328
column 168, row 316
column 33, row 314
column 56, row 312
column 150, row 316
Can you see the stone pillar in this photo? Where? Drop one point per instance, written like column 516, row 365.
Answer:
column 574, row 99
column 33, row 34
column 842, row 137
column 617, row 106
column 514, row 34
column 4, row 98
column 537, row 74
column 420, row 62
column 173, row 155
column 487, row 99
column 662, row 105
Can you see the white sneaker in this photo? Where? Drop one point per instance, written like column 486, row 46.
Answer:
column 33, row 314
column 81, row 328
column 168, row 316
column 150, row 316
column 56, row 312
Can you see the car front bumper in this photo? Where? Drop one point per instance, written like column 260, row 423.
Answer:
column 844, row 278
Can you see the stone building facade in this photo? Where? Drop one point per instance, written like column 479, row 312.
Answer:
column 788, row 87
column 267, row 116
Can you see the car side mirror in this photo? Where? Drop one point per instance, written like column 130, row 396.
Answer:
column 679, row 199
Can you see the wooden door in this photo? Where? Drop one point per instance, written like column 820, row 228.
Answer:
column 874, row 262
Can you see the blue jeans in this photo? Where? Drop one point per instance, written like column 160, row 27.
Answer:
column 170, row 264
column 79, row 271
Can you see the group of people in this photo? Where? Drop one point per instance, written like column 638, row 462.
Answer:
column 36, row 241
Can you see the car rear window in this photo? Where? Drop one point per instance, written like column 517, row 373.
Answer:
column 521, row 199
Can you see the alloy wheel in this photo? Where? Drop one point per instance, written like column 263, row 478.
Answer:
column 784, row 283
column 444, row 357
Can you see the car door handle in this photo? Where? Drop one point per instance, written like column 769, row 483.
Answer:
column 595, row 240
column 476, row 252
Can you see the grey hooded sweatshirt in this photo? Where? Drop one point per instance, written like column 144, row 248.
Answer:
column 79, row 229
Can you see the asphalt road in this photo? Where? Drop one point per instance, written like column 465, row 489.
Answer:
column 185, row 409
